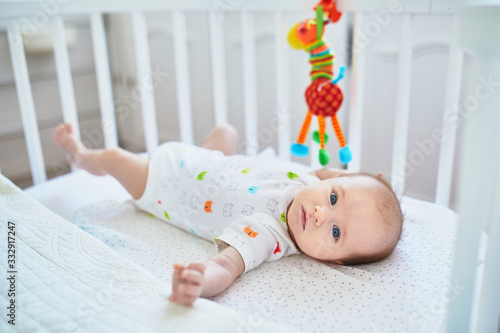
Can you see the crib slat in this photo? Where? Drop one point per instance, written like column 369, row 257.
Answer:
column 182, row 76
column 249, row 82
column 145, row 80
column 282, row 121
column 490, row 293
column 402, row 103
column 357, row 95
column 103, row 80
column 26, row 104
column 218, row 67
column 453, row 82
column 64, row 78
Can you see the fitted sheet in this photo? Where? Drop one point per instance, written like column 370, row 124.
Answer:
column 407, row 292
column 65, row 194
column 69, row 281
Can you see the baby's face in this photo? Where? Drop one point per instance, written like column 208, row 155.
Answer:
column 337, row 218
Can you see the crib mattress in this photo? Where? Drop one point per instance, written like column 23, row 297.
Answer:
column 406, row 292
column 66, row 280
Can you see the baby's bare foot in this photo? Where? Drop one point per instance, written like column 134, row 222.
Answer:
column 71, row 147
column 75, row 151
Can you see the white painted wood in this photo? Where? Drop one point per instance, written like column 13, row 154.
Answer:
column 392, row 7
column 218, row 62
column 444, row 6
column 478, row 167
column 145, row 80
column 182, row 76
column 357, row 95
column 399, row 157
column 64, row 77
column 103, row 81
column 280, row 123
column 26, row 104
column 447, row 147
column 249, row 82
column 15, row 8
column 474, row 210
column 489, row 297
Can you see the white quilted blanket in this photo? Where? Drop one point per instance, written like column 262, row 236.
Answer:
column 66, row 280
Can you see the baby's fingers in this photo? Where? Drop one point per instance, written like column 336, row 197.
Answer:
column 185, row 293
column 178, row 269
column 187, row 283
column 192, row 276
column 199, row 266
column 182, row 299
column 188, row 290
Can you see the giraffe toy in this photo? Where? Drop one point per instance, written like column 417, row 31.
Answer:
column 323, row 96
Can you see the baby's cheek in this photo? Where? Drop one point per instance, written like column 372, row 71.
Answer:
column 321, row 250
column 310, row 247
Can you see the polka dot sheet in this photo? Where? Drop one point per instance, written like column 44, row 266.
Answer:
column 407, row 292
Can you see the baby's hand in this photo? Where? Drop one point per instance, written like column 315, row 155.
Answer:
column 187, row 283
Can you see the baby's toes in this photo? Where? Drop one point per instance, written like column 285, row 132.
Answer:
column 58, row 132
column 69, row 128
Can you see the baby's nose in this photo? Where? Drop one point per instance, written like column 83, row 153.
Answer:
column 319, row 214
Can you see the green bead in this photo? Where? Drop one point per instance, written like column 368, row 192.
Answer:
column 324, row 157
column 316, row 137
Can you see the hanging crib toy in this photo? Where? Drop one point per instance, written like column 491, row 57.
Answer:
column 323, row 96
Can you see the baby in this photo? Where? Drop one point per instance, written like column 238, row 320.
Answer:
column 255, row 209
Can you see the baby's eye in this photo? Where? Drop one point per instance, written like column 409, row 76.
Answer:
column 336, row 232
column 333, row 198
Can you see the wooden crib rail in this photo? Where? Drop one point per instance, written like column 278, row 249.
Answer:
column 13, row 9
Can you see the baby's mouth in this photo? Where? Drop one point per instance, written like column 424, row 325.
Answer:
column 303, row 217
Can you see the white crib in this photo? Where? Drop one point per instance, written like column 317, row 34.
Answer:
column 476, row 28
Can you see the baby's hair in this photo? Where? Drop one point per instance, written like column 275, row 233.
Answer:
column 389, row 207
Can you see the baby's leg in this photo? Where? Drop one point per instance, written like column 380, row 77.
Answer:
column 222, row 137
column 131, row 170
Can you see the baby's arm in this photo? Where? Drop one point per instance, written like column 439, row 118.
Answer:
column 206, row 279
column 329, row 173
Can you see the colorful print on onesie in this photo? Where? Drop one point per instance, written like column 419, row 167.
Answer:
column 235, row 200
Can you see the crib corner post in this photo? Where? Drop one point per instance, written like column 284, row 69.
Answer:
column 479, row 167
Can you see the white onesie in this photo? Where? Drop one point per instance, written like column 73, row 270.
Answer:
column 234, row 200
